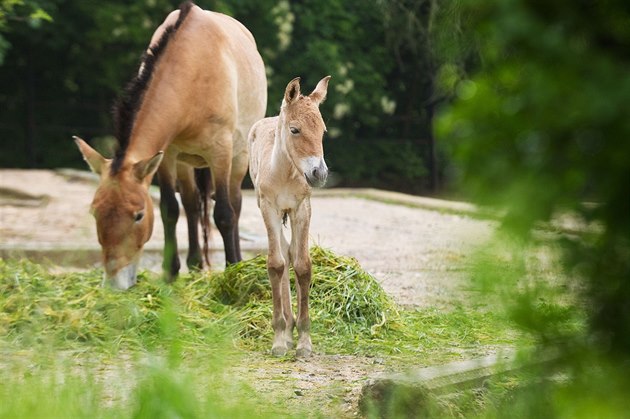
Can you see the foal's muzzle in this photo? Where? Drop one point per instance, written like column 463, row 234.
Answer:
column 316, row 172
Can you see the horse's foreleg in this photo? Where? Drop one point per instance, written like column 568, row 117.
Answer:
column 169, row 210
column 286, row 295
column 190, row 200
column 224, row 219
column 239, row 169
column 278, row 270
column 220, row 161
column 301, row 261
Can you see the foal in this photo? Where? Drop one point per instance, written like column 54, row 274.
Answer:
column 286, row 158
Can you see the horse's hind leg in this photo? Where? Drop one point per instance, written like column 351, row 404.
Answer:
column 191, row 202
column 169, row 210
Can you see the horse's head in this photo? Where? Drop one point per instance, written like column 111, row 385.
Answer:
column 123, row 210
column 302, row 130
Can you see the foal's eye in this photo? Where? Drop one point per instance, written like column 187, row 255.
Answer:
column 294, row 131
column 138, row 216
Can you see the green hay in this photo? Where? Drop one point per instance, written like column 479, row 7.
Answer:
column 39, row 307
column 350, row 312
column 345, row 301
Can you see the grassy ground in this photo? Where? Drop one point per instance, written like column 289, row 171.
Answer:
column 199, row 348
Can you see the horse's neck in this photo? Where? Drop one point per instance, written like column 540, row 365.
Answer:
column 281, row 164
column 153, row 131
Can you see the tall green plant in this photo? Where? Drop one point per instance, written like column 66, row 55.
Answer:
column 540, row 132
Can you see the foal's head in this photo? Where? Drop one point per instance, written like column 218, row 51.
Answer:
column 123, row 210
column 302, row 130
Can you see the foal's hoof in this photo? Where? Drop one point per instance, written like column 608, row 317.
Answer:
column 303, row 352
column 279, row 351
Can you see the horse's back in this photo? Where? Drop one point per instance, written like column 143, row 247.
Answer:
column 215, row 69
column 251, row 80
column 230, row 41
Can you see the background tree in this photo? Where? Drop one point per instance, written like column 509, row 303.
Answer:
column 430, row 54
column 21, row 12
column 61, row 79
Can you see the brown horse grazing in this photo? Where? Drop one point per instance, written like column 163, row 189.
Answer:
column 199, row 89
column 286, row 158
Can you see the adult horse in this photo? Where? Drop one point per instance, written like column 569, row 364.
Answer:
column 200, row 87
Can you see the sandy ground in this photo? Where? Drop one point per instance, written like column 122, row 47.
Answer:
column 418, row 256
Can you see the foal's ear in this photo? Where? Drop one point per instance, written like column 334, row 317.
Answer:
column 319, row 94
column 91, row 156
column 146, row 168
column 292, row 91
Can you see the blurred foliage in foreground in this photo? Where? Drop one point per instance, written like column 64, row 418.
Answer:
column 541, row 130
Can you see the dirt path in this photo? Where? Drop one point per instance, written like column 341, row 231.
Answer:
column 418, row 256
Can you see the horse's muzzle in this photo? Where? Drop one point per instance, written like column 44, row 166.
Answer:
column 317, row 174
column 124, row 279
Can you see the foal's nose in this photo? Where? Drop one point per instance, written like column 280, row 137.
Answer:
column 320, row 172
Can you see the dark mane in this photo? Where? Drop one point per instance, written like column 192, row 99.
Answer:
column 128, row 104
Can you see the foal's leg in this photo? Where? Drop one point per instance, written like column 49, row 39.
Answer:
column 169, row 211
column 285, row 288
column 301, row 261
column 190, row 201
column 278, row 270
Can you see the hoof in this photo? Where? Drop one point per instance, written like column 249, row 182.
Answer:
column 194, row 265
column 168, row 278
column 304, row 352
column 279, row 351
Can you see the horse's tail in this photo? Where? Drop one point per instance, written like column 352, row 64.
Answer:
column 203, row 180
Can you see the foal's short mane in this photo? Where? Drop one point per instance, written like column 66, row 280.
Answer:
column 128, row 104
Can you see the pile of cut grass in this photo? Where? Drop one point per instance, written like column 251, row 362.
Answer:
column 345, row 301
column 66, row 325
column 65, row 310
column 350, row 312
column 71, row 308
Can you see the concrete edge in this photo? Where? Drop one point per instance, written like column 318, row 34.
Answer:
column 413, row 201
column 563, row 224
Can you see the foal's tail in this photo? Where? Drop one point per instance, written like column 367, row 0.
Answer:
column 203, row 179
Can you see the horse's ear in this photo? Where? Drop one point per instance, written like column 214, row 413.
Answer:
column 292, row 91
column 147, row 167
column 91, row 156
column 319, row 94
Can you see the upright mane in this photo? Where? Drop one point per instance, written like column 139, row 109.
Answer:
column 127, row 106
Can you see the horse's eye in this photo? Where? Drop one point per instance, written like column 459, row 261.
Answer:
column 294, row 131
column 138, row 216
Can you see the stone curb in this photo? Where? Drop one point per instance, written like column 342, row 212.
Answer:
column 565, row 223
